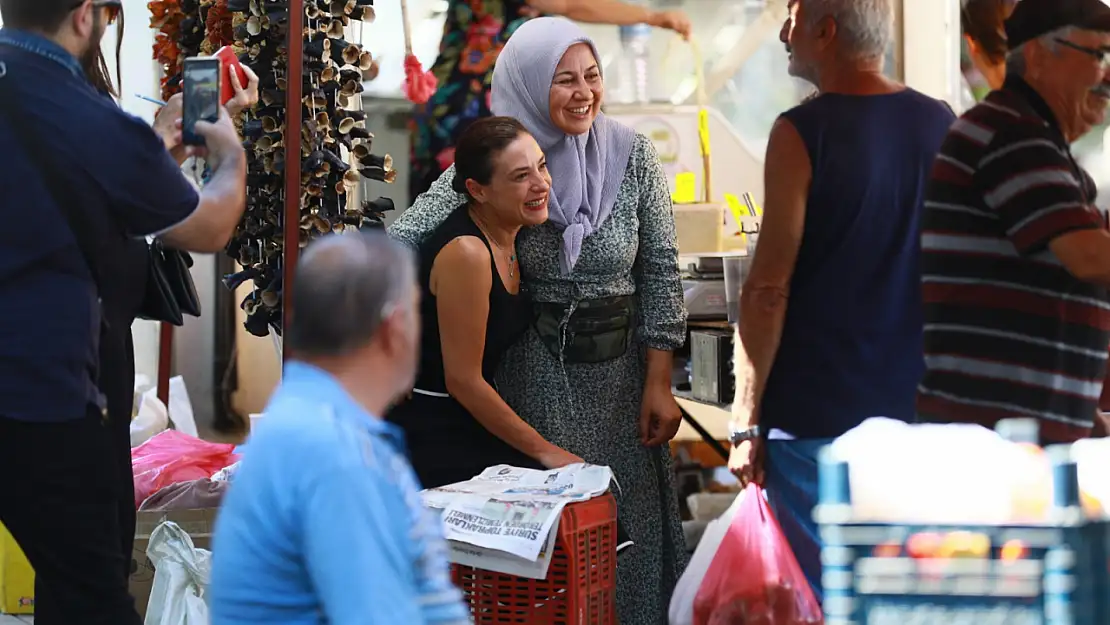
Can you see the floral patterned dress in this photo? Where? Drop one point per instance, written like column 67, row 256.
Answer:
column 473, row 36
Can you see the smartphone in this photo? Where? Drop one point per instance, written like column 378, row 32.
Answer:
column 201, row 87
column 230, row 64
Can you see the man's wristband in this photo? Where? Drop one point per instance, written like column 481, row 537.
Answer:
column 739, row 436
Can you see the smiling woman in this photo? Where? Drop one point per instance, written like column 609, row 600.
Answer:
column 572, row 107
column 472, row 311
column 473, row 36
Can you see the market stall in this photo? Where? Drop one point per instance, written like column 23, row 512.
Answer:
column 311, row 74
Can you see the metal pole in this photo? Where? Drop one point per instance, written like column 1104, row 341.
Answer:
column 294, row 77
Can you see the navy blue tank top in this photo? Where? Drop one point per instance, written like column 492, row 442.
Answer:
column 852, row 343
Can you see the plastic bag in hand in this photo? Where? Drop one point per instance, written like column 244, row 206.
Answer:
column 754, row 578
column 681, row 610
column 171, row 457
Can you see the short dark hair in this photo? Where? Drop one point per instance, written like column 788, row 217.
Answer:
column 344, row 287
column 478, row 145
column 39, row 15
column 983, row 21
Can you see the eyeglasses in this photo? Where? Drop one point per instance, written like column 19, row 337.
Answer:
column 115, row 7
column 1102, row 55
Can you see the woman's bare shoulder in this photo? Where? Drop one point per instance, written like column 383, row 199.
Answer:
column 467, row 251
column 464, row 262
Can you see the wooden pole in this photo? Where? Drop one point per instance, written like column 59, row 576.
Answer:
column 294, row 76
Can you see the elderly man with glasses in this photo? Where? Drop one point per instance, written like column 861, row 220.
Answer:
column 83, row 182
column 1015, row 256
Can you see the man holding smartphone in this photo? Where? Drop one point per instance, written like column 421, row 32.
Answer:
column 56, row 465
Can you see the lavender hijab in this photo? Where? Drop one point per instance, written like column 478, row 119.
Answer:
column 586, row 170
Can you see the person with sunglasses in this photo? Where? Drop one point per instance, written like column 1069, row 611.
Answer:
column 81, row 180
column 1015, row 254
column 130, row 277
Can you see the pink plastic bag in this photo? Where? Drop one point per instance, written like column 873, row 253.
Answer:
column 754, row 578
column 172, row 457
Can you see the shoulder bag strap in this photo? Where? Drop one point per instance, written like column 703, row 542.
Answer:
column 62, row 193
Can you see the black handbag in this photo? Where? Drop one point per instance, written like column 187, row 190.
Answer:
column 170, row 292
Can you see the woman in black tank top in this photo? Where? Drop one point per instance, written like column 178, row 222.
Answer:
column 456, row 424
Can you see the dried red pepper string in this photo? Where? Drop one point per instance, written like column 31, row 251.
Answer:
column 166, row 17
column 218, row 26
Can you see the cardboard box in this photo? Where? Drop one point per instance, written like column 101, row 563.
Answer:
column 199, row 524
column 699, row 228
column 17, row 578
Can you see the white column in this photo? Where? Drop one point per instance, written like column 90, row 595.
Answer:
column 931, row 47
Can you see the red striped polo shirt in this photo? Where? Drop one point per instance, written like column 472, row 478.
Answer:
column 1008, row 331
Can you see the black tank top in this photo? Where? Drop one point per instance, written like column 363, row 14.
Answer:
column 446, row 443
column 509, row 314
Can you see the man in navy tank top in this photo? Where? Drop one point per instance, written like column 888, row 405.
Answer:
column 830, row 314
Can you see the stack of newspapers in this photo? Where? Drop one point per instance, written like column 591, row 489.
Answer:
column 505, row 519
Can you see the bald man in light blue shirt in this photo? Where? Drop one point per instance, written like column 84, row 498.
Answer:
column 324, row 522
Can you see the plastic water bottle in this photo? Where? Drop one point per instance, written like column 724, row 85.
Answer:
column 635, row 56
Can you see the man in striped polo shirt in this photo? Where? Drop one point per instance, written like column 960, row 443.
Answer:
column 1015, row 256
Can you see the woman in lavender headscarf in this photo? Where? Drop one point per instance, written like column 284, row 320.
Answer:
column 593, row 374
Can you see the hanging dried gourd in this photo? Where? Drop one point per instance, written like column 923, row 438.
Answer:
column 335, row 145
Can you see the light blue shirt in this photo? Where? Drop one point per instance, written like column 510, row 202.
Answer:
column 324, row 522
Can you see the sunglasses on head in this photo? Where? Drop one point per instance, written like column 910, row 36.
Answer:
column 115, row 7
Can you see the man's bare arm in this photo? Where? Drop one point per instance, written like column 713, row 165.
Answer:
column 766, row 292
column 222, row 199
column 1085, row 254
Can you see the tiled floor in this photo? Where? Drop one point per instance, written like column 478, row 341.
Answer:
column 8, row 619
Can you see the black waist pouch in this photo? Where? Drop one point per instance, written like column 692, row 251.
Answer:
column 597, row 331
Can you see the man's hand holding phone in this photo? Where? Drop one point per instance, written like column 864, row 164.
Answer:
column 222, row 146
column 206, row 124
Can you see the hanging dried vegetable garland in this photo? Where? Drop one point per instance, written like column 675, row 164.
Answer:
column 165, row 19
column 217, row 26
column 335, row 145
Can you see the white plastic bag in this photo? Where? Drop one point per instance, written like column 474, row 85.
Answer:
column 943, row 474
column 181, row 575
column 181, row 409
column 681, row 610
column 226, row 474
column 152, row 419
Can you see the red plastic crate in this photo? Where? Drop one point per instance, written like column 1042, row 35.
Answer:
column 581, row 583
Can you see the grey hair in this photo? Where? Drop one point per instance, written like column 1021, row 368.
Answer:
column 346, row 285
column 865, row 27
column 1015, row 59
